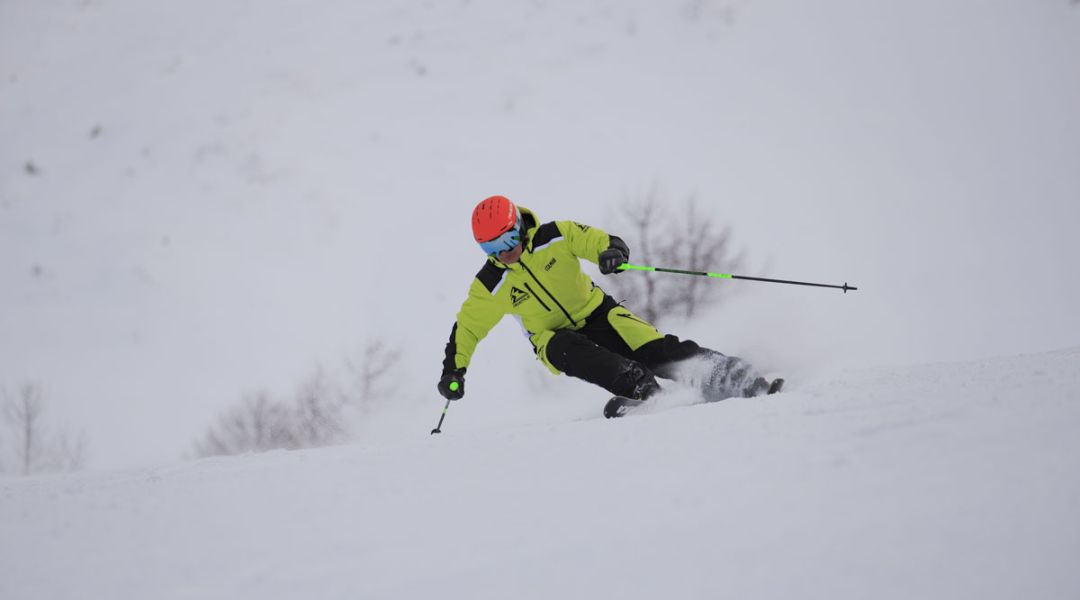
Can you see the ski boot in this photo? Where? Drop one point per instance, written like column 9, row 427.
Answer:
column 645, row 387
column 776, row 385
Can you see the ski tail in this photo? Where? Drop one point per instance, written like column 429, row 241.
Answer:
column 619, row 406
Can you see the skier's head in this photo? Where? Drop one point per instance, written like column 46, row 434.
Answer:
column 498, row 228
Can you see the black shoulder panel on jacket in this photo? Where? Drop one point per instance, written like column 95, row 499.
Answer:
column 530, row 221
column 490, row 276
column 546, row 233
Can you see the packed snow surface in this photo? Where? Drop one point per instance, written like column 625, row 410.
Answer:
column 939, row 481
column 199, row 200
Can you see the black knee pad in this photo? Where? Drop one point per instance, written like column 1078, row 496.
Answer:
column 577, row 356
column 564, row 347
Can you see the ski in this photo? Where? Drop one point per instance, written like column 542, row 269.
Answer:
column 776, row 385
column 619, row 406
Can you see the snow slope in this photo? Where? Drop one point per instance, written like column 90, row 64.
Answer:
column 940, row 481
column 213, row 204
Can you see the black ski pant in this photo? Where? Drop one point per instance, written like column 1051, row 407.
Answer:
column 599, row 354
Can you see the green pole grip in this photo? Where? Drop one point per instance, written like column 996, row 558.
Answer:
column 630, row 267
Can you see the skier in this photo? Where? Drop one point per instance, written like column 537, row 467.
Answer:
column 533, row 272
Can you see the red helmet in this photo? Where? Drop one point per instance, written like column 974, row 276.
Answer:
column 496, row 224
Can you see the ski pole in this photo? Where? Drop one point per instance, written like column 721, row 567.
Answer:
column 438, row 428
column 446, row 409
column 629, row 267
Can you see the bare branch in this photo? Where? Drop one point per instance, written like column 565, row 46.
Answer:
column 258, row 424
column 316, row 415
column 377, row 362
column 686, row 237
column 313, row 416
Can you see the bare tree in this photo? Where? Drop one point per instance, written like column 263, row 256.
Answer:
column 317, row 411
column 33, row 448
column 256, row 425
column 377, row 361
column 23, row 414
column 313, row 416
column 683, row 236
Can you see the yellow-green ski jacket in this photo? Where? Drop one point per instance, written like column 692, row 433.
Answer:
column 546, row 290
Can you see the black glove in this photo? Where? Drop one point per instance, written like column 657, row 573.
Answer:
column 452, row 384
column 616, row 254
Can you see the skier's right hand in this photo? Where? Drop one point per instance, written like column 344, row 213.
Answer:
column 452, row 384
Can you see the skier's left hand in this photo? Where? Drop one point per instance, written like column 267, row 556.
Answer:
column 618, row 253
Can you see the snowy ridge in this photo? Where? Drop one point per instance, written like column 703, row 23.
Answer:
column 935, row 481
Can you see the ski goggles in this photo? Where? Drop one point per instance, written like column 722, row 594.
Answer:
column 504, row 243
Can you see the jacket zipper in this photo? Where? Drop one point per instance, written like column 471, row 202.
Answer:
column 561, row 307
column 537, row 296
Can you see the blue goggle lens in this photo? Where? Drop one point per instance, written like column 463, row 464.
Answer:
column 505, row 242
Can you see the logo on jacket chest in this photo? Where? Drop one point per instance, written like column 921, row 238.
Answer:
column 551, row 263
column 518, row 295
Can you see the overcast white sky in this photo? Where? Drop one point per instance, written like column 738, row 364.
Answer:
column 227, row 193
